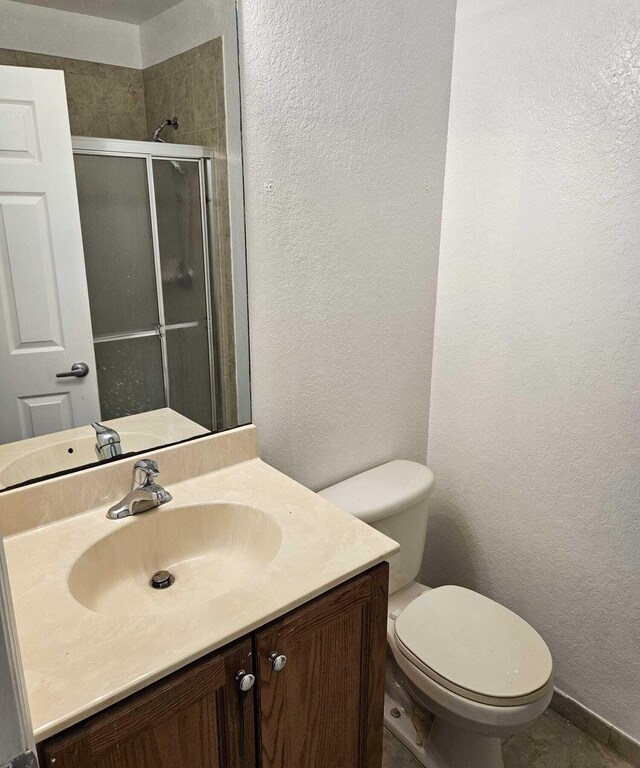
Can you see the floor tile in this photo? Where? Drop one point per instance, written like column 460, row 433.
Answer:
column 583, row 719
column 624, row 746
column 552, row 742
column 395, row 755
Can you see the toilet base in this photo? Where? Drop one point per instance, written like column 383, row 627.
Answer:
column 437, row 743
column 451, row 747
column 404, row 721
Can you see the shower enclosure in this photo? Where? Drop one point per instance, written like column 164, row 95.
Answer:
column 147, row 229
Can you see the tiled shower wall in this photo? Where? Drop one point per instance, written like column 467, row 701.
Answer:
column 191, row 87
column 123, row 103
column 104, row 100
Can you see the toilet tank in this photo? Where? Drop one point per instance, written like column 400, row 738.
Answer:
column 394, row 499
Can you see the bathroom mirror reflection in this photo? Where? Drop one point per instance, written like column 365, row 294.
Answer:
column 122, row 266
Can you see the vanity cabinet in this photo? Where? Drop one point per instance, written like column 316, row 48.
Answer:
column 317, row 701
column 192, row 719
column 324, row 709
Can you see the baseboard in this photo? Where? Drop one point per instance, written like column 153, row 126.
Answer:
column 596, row 727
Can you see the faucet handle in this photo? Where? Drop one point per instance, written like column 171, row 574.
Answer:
column 145, row 472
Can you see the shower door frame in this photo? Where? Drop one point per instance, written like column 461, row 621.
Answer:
column 150, row 151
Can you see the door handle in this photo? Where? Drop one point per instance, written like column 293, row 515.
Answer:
column 78, row 370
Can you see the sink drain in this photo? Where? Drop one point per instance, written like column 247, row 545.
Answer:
column 162, row 579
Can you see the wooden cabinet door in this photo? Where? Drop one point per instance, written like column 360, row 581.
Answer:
column 324, row 709
column 192, row 719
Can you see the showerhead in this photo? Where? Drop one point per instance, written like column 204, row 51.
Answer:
column 173, row 121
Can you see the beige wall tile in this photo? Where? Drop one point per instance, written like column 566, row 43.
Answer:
column 204, row 89
column 8, row 58
column 183, row 99
column 106, row 71
column 185, row 138
column 196, row 82
column 206, row 137
column 158, row 104
column 103, row 100
column 126, row 109
column 181, row 60
column 39, row 60
column 83, row 99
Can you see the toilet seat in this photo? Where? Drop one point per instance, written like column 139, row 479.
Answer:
column 474, row 647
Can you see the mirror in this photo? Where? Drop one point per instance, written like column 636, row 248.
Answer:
column 123, row 311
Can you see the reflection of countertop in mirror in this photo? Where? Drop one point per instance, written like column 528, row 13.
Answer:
column 58, row 451
column 246, row 543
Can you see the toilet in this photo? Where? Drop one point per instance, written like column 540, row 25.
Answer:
column 463, row 672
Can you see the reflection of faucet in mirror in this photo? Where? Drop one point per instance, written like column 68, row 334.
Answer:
column 145, row 492
column 108, row 444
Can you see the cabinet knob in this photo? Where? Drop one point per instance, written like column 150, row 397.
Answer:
column 245, row 680
column 278, row 661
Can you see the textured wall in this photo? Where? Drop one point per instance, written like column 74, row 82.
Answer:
column 535, row 410
column 344, row 129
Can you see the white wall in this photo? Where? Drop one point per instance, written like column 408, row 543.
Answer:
column 184, row 26
column 345, row 114
column 37, row 29
column 535, row 410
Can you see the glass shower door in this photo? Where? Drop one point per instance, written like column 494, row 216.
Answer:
column 115, row 213
column 145, row 242
column 185, row 294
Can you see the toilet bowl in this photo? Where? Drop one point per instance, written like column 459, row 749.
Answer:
column 463, row 671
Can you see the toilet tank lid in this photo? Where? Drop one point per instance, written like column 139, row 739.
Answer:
column 382, row 491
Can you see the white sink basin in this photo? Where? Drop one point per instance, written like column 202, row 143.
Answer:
column 210, row 549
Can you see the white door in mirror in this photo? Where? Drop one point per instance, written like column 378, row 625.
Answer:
column 45, row 325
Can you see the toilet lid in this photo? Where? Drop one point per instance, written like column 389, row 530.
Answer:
column 474, row 646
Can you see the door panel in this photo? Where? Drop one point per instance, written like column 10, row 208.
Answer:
column 191, row 719
column 19, row 138
column 42, row 414
column 45, row 324
column 324, row 709
column 32, row 306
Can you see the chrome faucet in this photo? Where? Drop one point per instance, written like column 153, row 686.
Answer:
column 108, row 444
column 145, row 492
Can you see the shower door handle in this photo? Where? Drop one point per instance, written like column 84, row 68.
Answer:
column 78, row 370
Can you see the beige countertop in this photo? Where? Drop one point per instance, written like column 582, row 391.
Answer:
column 78, row 661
